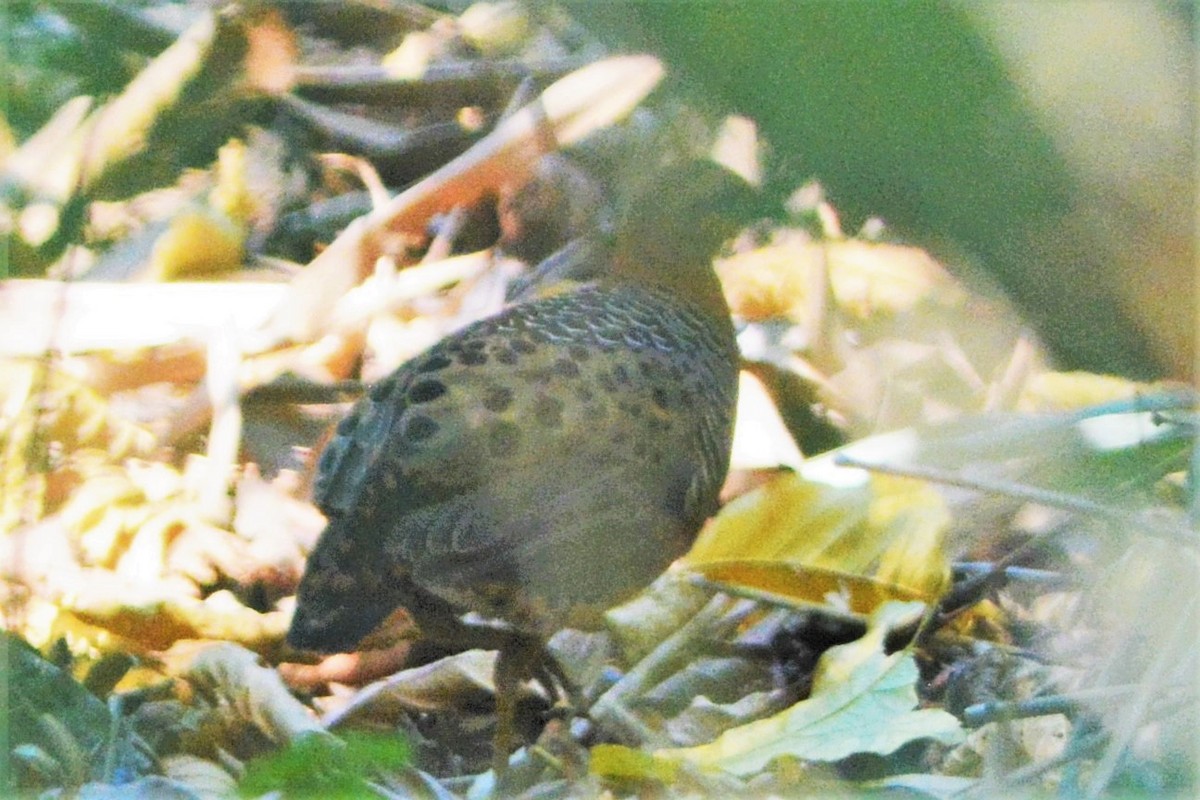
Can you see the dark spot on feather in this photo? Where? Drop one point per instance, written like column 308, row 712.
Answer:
column 434, row 363
column 565, row 368
column 472, row 358
column 426, row 391
column 505, row 355
column 579, row 352
column 621, row 374
column 497, row 398
column 523, row 346
column 419, row 427
column 660, row 398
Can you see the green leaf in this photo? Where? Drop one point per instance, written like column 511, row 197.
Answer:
column 325, row 766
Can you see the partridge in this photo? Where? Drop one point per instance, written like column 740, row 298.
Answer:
column 536, row 467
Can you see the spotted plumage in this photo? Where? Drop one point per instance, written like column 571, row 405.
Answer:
column 537, row 466
column 540, row 465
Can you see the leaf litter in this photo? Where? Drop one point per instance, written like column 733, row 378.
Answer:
column 990, row 590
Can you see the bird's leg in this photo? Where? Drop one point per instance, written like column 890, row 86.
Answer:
column 521, row 656
column 549, row 673
column 517, row 660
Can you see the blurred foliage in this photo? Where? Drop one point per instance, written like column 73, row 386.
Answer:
column 321, row 766
column 1000, row 133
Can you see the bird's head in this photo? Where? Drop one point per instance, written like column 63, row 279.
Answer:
column 672, row 225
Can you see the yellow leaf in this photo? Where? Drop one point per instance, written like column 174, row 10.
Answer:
column 911, row 516
column 873, row 277
column 1068, row 391
column 155, row 615
column 496, row 29
column 410, row 60
column 804, row 539
column 232, row 196
column 782, row 582
column 198, row 241
column 617, row 761
column 867, row 278
column 44, row 411
column 789, row 519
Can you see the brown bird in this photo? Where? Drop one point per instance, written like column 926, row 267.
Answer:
column 540, row 465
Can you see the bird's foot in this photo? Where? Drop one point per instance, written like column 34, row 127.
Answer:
column 525, row 657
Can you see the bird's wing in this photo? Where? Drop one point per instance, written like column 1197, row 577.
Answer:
column 550, row 547
column 410, row 423
column 500, row 457
column 580, row 488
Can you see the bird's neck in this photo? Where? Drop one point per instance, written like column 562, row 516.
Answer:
column 694, row 283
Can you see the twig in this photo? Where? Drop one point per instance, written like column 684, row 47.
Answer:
column 1042, row 577
column 1020, row 491
column 1045, row 497
column 720, row 616
column 979, row 714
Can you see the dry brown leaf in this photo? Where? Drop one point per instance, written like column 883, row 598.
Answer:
column 207, row 779
column 463, row 680
column 570, row 108
column 889, row 338
column 278, row 527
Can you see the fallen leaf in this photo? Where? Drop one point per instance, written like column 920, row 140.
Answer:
column 807, row 538
column 618, row 761
column 862, row 702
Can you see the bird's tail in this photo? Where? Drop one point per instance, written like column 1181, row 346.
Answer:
column 344, row 595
